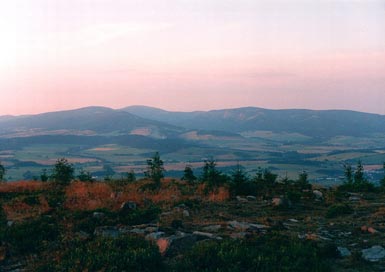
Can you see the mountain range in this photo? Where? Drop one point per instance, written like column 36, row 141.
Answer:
column 158, row 123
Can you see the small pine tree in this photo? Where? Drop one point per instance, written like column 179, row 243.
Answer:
column 239, row 176
column 382, row 181
column 130, row 176
column 155, row 170
column 211, row 175
column 188, row 175
column 85, row 176
column 63, row 172
column 44, row 175
column 348, row 171
column 2, row 172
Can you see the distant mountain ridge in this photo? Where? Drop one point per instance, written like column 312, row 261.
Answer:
column 314, row 123
column 158, row 123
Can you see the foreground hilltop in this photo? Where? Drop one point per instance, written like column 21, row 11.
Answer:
column 166, row 224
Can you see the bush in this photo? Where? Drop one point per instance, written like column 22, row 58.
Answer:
column 273, row 253
column 127, row 253
column 30, row 237
column 140, row 216
column 338, row 210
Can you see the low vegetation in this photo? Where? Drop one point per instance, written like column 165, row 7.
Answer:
column 214, row 222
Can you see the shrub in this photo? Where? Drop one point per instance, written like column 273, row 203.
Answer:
column 338, row 210
column 267, row 253
column 30, row 237
column 126, row 253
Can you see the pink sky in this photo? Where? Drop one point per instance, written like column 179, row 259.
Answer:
column 192, row 55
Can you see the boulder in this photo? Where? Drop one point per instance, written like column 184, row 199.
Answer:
column 203, row 235
column 251, row 198
column 318, row 194
column 98, row 215
column 186, row 213
column 176, row 244
column 212, row 228
column 241, row 199
column 373, row 254
column 128, row 206
column 155, row 235
column 344, row 252
column 242, row 226
column 107, row 231
column 354, row 198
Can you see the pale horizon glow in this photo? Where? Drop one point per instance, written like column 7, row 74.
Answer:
column 186, row 55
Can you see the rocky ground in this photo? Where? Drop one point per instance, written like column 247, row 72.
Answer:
column 350, row 225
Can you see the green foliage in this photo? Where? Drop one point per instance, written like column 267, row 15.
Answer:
column 130, row 176
column 63, row 172
column 44, row 176
column 85, row 176
column 155, row 170
column 126, row 253
column 212, row 176
column 303, row 183
column 32, row 200
column 140, row 216
column 188, row 175
column 31, row 236
column 338, row 210
column 356, row 181
column 2, row 172
column 382, row 181
column 267, row 253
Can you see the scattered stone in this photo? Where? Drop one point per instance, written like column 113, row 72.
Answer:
column 318, row 194
column 137, row 231
column 155, row 235
column 212, row 228
column 277, row 201
column 344, row 252
column 241, row 199
column 186, row 213
column 107, row 231
column 373, row 254
column 176, row 244
column 82, row 235
column 10, row 223
column 203, row 235
column 238, row 225
column 128, row 206
column 238, row 235
column 251, row 198
column 151, row 229
column 292, row 220
column 98, row 215
column 372, row 230
column 354, row 198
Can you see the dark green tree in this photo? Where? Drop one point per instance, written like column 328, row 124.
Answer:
column 85, row 176
column 130, row 176
column 63, row 172
column 303, row 182
column 2, row 172
column 211, row 176
column 238, row 176
column 155, row 170
column 188, row 175
column 44, row 175
column 348, row 171
column 359, row 174
column 382, row 181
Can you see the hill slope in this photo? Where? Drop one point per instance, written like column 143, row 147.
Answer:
column 320, row 124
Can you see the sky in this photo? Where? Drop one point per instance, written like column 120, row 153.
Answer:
column 189, row 55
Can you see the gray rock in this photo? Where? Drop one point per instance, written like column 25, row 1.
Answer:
column 128, row 206
column 203, row 235
column 354, row 198
column 155, row 235
column 107, row 231
column 98, row 215
column 373, row 254
column 151, row 229
column 176, row 244
column 238, row 235
column 212, row 228
column 318, row 194
column 186, row 213
column 238, row 225
column 137, row 231
column 344, row 252
column 10, row 223
column 251, row 198
column 241, row 199
column 277, row 201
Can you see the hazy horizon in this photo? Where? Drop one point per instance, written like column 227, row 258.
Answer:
column 183, row 55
